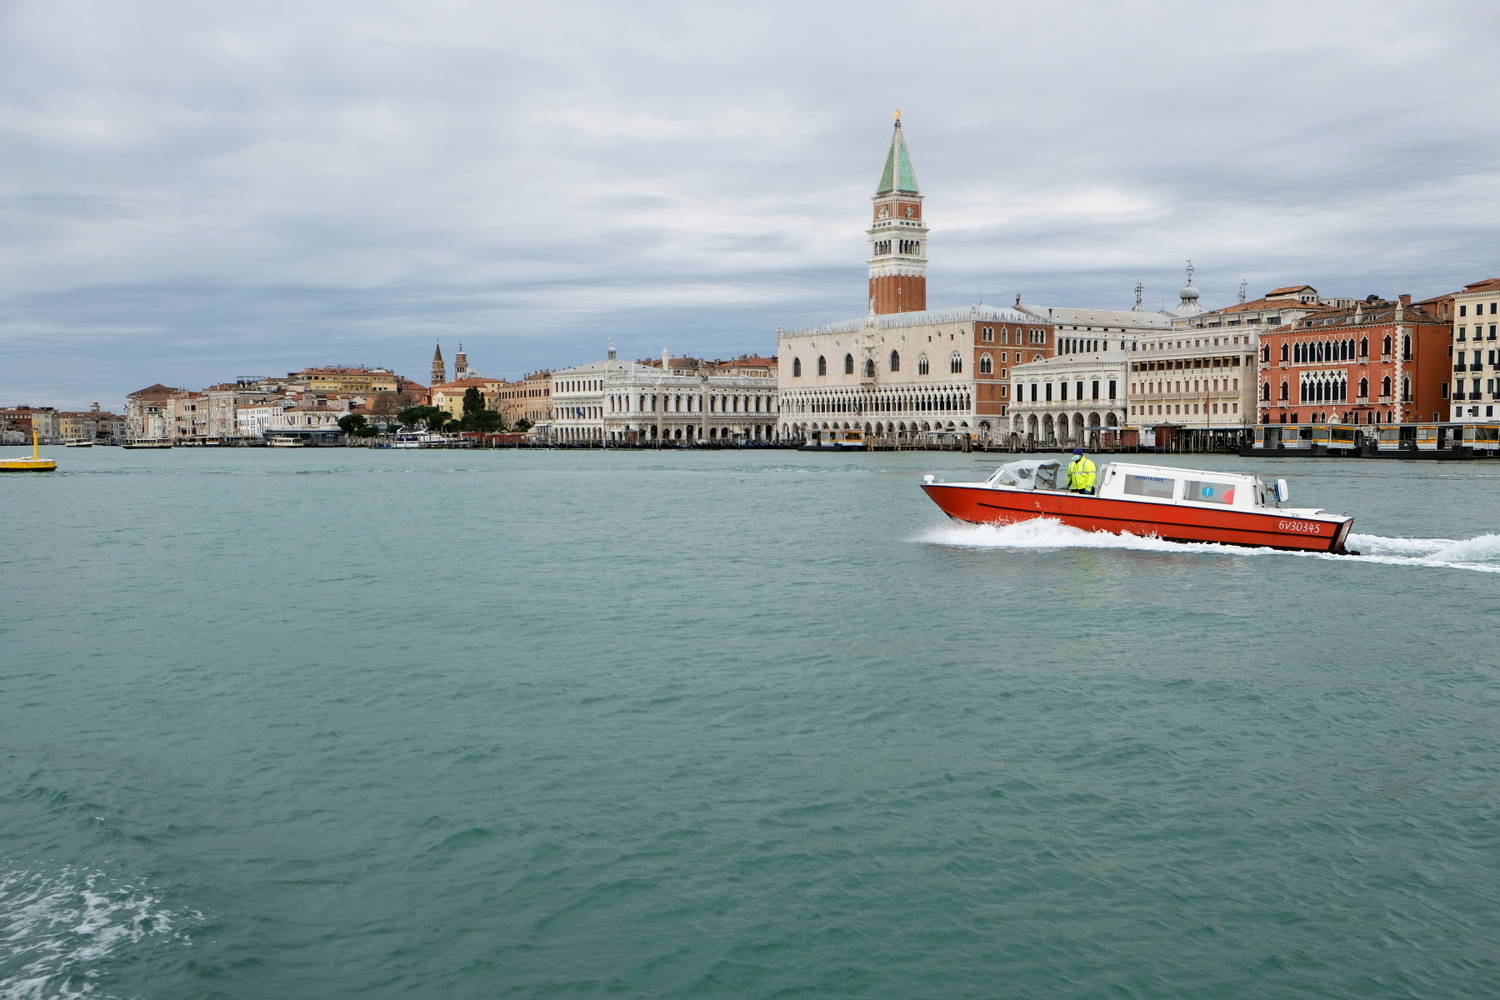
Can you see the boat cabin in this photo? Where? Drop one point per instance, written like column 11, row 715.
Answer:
column 1158, row 483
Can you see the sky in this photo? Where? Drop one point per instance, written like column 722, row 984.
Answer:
column 195, row 190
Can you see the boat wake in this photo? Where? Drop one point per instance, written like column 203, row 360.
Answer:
column 59, row 928
column 1479, row 554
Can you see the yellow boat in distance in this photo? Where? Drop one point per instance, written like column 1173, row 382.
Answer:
column 36, row 463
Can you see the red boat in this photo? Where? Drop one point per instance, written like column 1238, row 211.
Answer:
column 1179, row 505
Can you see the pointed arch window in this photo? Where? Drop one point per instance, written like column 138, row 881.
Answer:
column 1364, row 347
column 1406, row 347
column 1385, row 386
column 923, row 367
column 1283, row 352
column 1265, row 392
column 822, row 365
column 1364, row 388
column 869, row 368
column 986, row 364
column 848, row 364
column 1385, row 345
column 796, row 368
column 1283, row 391
column 895, row 361
column 956, row 363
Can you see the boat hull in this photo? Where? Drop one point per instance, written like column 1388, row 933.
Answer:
column 28, row 465
column 1172, row 522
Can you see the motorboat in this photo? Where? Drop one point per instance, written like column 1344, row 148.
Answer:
column 285, row 441
column 79, row 443
column 1179, row 505
column 147, row 443
column 36, row 463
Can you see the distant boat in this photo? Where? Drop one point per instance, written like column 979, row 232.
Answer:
column 79, row 443
column 285, row 441
column 834, row 440
column 36, row 463
column 146, row 443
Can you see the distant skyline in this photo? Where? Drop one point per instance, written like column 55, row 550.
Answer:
column 196, row 191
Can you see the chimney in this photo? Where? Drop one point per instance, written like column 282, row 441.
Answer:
column 1406, row 299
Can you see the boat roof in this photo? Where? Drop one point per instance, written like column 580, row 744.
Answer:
column 1175, row 472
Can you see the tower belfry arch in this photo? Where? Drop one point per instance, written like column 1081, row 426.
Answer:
column 897, row 234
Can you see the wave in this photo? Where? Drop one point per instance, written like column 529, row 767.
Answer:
column 1479, row 554
column 60, row 926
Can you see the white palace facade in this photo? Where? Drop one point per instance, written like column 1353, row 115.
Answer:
column 625, row 402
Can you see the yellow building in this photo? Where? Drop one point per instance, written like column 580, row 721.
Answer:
column 449, row 396
column 347, row 380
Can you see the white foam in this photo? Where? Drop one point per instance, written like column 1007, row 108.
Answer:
column 56, row 926
column 1479, row 554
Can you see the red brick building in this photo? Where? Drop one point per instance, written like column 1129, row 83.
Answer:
column 1375, row 362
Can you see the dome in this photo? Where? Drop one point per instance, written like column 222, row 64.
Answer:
column 1189, row 294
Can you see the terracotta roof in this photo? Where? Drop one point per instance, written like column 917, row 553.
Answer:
column 466, row 383
column 1289, row 289
column 156, row 390
column 1258, row 305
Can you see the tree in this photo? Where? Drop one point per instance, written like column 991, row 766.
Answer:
column 485, row 421
column 438, row 419
column 473, row 401
column 352, row 423
column 523, row 424
column 413, row 415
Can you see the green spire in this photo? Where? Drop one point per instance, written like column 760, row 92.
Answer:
column 898, row 176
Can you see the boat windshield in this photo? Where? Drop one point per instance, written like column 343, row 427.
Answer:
column 1026, row 475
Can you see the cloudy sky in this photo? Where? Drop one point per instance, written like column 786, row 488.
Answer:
column 192, row 190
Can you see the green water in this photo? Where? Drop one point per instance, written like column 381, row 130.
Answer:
column 348, row 723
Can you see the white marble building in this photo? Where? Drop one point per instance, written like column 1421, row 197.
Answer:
column 627, row 403
column 1067, row 400
column 899, row 375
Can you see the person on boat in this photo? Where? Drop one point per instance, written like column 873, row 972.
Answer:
column 1081, row 473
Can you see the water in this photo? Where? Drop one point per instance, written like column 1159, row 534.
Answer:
column 528, row 724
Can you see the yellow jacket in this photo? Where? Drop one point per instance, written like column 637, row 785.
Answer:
column 1081, row 473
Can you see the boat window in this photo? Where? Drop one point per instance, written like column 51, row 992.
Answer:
column 1156, row 487
column 1205, row 491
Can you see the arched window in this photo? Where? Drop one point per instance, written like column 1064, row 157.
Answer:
column 822, row 365
column 1283, row 391
column 1406, row 347
column 1265, row 354
column 922, row 366
column 895, row 361
column 848, row 364
column 1283, row 352
column 1385, row 386
column 1405, row 389
column 956, row 363
column 1265, row 392
column 796, row 368
column 870, row 368
column 1364, row 347
column 986, row 364
column 1385, row 345
column 1364, row 388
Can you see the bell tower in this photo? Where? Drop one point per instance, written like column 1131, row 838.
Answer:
column 439, row 370
column 898, row 236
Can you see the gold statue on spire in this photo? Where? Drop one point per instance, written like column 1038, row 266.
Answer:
column 896, row 114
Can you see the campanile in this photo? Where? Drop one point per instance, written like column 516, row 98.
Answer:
column 898, row 236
